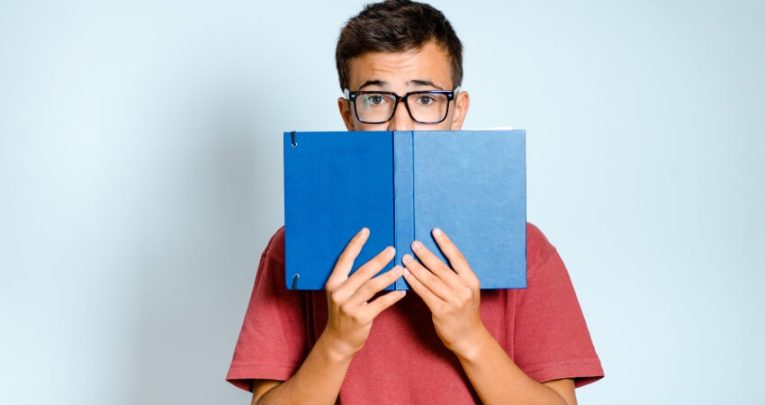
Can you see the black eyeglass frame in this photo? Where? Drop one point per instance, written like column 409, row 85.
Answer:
column 353, row 95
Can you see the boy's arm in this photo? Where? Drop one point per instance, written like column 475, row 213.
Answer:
column 498, row 380
column 319, row 378
column 453, row 297
column 260, row 387
column 317, row 381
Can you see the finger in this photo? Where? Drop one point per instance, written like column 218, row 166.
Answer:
column 344, row 263
column 436, row 265
column 457, row 260
column 430, row 299
column 428, row 279
column 362, row 275
column 375, row 285
column 382, row 303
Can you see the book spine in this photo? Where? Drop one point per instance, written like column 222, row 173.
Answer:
column 403, row 195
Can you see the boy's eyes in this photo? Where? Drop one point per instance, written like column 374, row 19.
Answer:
column 425, row 99
column 375, row 99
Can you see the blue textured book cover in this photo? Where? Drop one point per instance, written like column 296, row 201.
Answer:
column 471, row 184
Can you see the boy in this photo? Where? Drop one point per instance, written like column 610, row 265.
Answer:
column 446, row 341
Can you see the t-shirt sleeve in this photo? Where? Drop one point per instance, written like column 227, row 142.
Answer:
column 551, row 336
column 272, row 342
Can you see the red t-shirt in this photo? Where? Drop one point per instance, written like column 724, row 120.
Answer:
column 403, row 361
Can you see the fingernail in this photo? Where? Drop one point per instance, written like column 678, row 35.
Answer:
column 364, row 231
column 390, row 251
column 406, row 259
column 437, row 232
column 398, row 270
column 416, row 245
column 406, row 272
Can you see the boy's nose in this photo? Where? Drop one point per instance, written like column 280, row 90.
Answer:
column 401, row 121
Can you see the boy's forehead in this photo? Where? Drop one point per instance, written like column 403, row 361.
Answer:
column 430, row 63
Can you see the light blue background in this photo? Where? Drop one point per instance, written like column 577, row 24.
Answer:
column 140, row 161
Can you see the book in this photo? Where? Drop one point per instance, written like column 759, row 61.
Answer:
column 401, row 185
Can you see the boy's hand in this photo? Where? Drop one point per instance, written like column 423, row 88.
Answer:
column 350, row 312
column 453, row 296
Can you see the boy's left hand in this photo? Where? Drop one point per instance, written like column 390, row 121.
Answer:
column 453, row 295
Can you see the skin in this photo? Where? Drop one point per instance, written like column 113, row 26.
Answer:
column 400, row 73
column 451, row 291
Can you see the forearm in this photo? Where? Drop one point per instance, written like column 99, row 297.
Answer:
column 351, row 312
column 317, row 381
column 497, row 379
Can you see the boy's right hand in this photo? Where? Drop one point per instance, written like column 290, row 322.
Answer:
column 350, row 311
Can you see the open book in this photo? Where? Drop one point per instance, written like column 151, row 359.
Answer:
column 401, row 185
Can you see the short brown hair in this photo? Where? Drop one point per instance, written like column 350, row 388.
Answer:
column 396, row 26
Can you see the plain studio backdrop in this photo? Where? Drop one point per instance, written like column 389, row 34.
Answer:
column 140, row 178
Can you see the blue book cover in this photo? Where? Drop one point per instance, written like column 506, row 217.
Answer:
column 401, row 185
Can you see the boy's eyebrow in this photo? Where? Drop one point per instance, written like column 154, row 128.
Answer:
column 416, row 82
column 374, row 82
column 425, row 83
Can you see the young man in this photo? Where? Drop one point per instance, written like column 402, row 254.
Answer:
column 446, row 341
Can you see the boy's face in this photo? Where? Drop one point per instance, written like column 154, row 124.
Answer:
column 427, row 68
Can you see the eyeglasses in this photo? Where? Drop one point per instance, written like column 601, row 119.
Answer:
column 377, row 107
